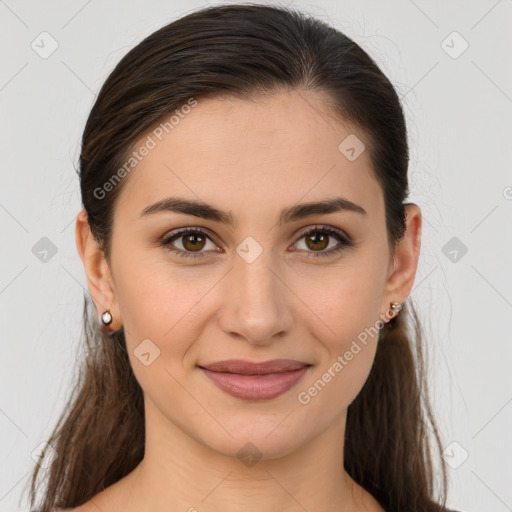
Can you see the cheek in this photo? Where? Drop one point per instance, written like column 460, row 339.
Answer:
column 351, row 351
column 160, row 311
column 155, row 294
column 346, row 322
column 162, row 303
column 328, row 394
column 344, row 302
column 349, row 343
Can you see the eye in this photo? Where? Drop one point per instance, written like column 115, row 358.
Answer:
column 316, row 240
column 192, row 241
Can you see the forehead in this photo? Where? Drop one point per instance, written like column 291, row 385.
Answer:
column 248, row 156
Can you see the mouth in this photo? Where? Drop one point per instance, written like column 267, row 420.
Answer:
column 255, row 381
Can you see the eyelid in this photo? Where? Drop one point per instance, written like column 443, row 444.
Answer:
column 322, row 227
column 194, row 229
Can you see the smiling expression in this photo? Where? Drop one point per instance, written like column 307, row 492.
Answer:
column 246, row 234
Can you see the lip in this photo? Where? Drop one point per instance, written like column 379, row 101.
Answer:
column 255, row 381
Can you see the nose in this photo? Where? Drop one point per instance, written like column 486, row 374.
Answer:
column 257, row 302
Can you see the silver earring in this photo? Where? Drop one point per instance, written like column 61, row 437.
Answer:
column 106, row 317
column 396, row 306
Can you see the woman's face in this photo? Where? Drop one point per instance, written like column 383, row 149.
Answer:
column 254, row 288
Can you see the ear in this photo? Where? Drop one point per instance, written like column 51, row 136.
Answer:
column 97, row 270
column 405, row 260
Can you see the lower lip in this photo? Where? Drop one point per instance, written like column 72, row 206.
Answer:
column 255, row 387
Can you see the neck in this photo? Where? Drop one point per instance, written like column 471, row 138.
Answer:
column 179, row 472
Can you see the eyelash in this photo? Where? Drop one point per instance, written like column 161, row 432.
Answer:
column 344, row 242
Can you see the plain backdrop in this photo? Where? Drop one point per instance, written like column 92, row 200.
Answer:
column 450, row 62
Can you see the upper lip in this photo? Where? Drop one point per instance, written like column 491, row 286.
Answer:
column 244, row 367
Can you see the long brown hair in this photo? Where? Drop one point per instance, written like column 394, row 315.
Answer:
column 245, row 51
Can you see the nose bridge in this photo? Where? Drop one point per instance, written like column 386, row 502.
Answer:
column 255, row 306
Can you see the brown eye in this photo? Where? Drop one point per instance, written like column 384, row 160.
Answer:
column 316, row 240
column 193, row 242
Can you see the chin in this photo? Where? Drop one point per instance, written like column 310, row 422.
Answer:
column 256, row 435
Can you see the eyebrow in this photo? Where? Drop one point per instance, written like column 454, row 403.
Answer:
column 209, row 212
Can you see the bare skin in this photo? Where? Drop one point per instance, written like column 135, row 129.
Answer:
column 252, row 159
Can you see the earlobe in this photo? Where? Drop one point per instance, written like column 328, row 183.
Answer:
column 97, row 271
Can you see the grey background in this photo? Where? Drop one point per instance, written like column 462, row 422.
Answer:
column 458, row 109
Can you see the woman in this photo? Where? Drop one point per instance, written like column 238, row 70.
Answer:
column 249, row 253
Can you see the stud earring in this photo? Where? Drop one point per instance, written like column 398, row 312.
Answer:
column 396, row 307
column 106, row 317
